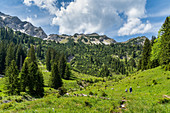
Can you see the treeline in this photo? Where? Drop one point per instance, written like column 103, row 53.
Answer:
column 157, row 51
column 119, row 58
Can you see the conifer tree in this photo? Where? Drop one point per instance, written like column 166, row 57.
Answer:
column 62, row 65
column 2, row 57
column 67, row 73
column 31, row 54
column 9, row 54
column 12, row 79
column 30, row 71
column 55, row 80
column 146, row 54
column 165, row 43
column 48, row 59
column 24, row 75
column 20, row 56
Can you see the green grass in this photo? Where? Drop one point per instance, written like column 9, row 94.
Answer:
column 149, row 87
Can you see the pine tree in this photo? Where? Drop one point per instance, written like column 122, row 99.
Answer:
column 10, row 54
column 67, row 73
column 12, row 79
column 31, row 54
column 32, row 78
column 165, row 43
column 2, row 57
column 20, row 56
column 48, row 59
column 146, row 54
column 55, row 80
column 39, row 51
column 39, row 81
column 62, row 65
column 24, row 75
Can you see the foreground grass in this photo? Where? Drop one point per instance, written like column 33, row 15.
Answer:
column 148, row 96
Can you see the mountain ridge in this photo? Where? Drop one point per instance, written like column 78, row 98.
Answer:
column 23, row 26
column 26, row 27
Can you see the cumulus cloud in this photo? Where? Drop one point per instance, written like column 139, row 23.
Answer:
column 134, row 26
column 37, row 21
column 101, row 16
column 50, row 5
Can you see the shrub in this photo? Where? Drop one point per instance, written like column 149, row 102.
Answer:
column 19, row 99
column 87, row 104
column 6, row 105
column 62, row 91
column 90, row 93
column 104, row 94
column 164, row 100
column 154, row 82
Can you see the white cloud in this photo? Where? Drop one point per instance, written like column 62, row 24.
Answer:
column 101, row 16
column 134, row 26
column 37, row 21
column 50, row 5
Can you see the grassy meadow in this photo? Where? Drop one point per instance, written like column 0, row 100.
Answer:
column 151, row 91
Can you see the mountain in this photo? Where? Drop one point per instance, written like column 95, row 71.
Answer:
column 25, row 27
column 93, row 38
column 136, row 41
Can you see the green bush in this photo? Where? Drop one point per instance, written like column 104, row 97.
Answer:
column 62, row 90
column 164, row 100
column 6, row 106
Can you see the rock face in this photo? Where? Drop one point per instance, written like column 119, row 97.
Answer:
column 93, row 38
column 25, row 27
column 136, row 41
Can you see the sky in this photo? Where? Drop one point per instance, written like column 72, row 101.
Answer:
column 118, row 19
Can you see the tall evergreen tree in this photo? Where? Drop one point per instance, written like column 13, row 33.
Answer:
column 24, row 75
column 20, row 56
column 146, row 54
column 48, row 59
column 62, row 65
column 165, row 43
column 67, row 72
column 10, row 54
column 31, row 54
column 55, row 79
column 2, row 57
column 12, row 79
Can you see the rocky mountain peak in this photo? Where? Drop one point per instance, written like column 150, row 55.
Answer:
column 25, row 27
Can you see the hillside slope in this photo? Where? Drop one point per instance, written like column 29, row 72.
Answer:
column 151, row 91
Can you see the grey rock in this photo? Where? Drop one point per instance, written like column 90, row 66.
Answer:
column 16, row 24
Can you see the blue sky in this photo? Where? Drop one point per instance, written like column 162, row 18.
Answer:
column 118, row 19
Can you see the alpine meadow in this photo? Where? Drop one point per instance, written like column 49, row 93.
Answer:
column 76, row 67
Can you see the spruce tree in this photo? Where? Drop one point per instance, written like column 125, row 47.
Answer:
column 67, row 72
column 12, row 79
column 48, row 59
column 62, row 65
column 55, row 79
column 20, row 56
column 165, row 43
column 146, row 54
column 2, row 57
column 10, row 54
column 24, row 75
column 31, row 54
